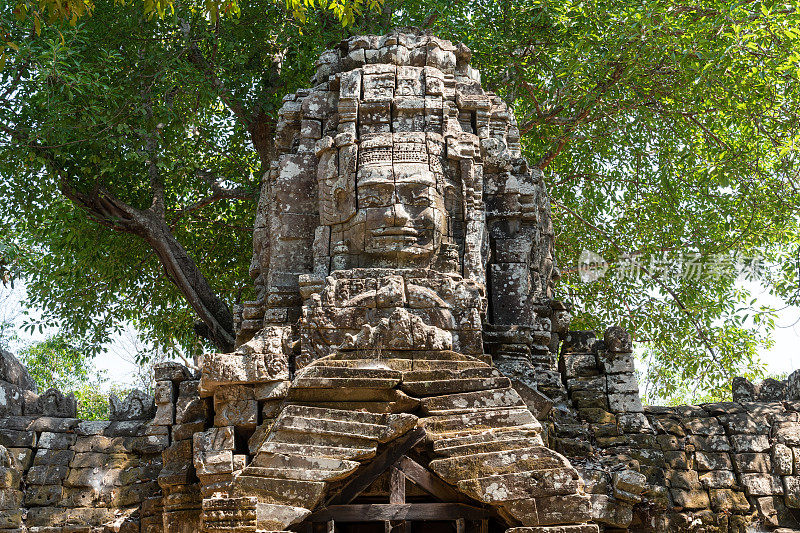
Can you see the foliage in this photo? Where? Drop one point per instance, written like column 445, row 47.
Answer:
column 70, row 11
column 666, row 132
column 58, row 362
column 9, row 260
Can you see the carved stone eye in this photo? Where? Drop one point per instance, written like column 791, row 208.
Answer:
column 371, row 200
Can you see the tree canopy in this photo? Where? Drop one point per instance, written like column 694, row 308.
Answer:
column 57, row 362
column 134, row 138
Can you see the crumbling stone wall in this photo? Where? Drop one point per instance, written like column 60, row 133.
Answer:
column 169, row 464
column 70, row 474
column 726, row 466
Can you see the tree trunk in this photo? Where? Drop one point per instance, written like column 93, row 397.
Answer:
column 183, row 272
column 178, row 265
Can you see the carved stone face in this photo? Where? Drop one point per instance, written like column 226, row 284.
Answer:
column 403, row 212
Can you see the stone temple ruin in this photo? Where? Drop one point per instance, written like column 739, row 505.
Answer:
column 405, row 366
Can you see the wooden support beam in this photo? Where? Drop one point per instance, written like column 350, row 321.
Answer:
column 381, row 512
column 397, row 486
column 377, row 466
column 428, row 481
column 397, row 494
column 461, row 525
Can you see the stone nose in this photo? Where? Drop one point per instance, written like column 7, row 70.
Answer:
column 401, row 216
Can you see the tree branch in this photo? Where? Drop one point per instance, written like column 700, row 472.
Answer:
column 218, row 193
column 599, row 91
column 196, row 58
column 151, row 147
column 180, row 268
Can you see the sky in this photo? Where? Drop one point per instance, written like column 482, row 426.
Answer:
column 118, row 362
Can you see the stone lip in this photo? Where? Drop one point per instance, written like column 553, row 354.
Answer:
column 14, row 372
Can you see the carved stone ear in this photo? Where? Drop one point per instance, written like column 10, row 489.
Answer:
column 54, row 403
column 137, row 405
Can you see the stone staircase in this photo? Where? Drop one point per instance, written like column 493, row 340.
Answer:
column 343, row 409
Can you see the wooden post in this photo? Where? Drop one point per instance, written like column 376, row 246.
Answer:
column 397, row 486
column 397, row 494
column 461, row 525
column 484, row 526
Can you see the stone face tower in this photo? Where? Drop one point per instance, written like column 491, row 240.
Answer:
column 398, row 160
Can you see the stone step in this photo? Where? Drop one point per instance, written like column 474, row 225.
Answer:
column 448, row 355
column 489, row 446
column 322, row 426
column 341, row 415
column 358, row 424
column 446, row 375
column 313, row 450
column 332, row 383
column 324, row 371
column 272, row 517
column 491, row 435
column 388, row 364
column 298, row 473
column 480, row 421
column 302, row 436
column 445, row 364
column 369, row 407
column 348, row 395
column 292, row 461
column 416, row 355
column 453, row 386
column 292, row 492
column 519, row 485
column 470, row 401
column 455, row 469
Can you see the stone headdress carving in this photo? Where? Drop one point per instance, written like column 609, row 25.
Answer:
column 397, row 158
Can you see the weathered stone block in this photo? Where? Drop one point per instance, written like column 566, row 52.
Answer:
column 46, row 474
column 718, row 479
column 190, row 407
column 46, row 456
column 214, row 439
column 171, row 371
column 164, row 392
column 682, row 479
column 136, row 406
column 625, row 402
column 11, row 438
column 690, row 499
column 791, row 486
column 750, row 443
column 611, row 512
column 622, row 383
column 782, row 459
column 712, row 461
column 728, row 500
column 579, row 365
column 42, row 495
column 762, row 484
